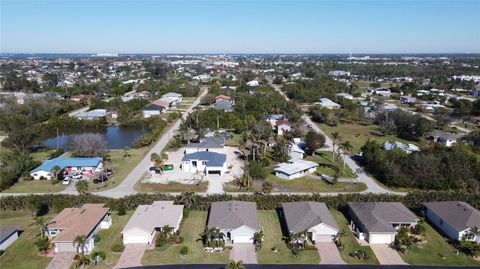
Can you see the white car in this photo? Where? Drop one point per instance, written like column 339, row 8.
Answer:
column 76, row 176
column 66, row 180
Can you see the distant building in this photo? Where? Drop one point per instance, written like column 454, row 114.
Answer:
column 153, row 110
column 327, row 103
column 253, row 83
column 91, row 115
column 339, row 73
column 407, row 148
column 8, row 235
column 345, row 95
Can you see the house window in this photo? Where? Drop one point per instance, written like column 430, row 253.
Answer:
column 204, row 162
column 53, row 232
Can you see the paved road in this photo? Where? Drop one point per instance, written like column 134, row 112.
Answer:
column 127, row 186
column 372, row 186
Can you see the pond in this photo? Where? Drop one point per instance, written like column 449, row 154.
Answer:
column 117, row 137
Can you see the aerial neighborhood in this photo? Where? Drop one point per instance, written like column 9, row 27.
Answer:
column 119, row 160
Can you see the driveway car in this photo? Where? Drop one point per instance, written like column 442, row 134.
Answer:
column 66, row 180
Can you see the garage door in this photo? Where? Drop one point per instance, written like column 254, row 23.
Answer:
column 242, row 239
column 381, row 238
column 323, row 238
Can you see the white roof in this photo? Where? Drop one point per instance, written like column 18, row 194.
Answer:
column 295, row 166
column 159, row 214
column 171, row 94
column 327, row 102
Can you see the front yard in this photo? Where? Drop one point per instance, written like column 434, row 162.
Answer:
column 307, row 184
column 350, row 242
column 22, row 253
column 36, row 186
column 436, row 251
column 190, row 229
column 171, row 187
column 273, row 239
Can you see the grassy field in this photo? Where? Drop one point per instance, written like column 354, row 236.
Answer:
column 42, row 186
column 191, row 227
column 121, row 167
column 110, row 237
column 171, row 187
column 273, row 238
column 436, row 251
column 358, row 134
column 22, row 253
column 324, row 159
column 350, row 242
column 306, row 184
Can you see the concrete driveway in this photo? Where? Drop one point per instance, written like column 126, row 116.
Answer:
column 131, row 256
column 386, row 255
column 61, row 260
column 244, row 252
column 329, row 253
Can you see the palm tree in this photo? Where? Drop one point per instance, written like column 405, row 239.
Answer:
column 258, row 237
column 126, row 152
column 167, row 230
column 41, row 223
column 56, row 171
column 335, row 137
column 206, row 235
column 80, row 242
column 235, row 265
column 82, row 186
column 159, row 160
column 346, row 149
column 187, row 199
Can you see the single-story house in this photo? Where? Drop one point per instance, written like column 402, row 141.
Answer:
column 295, row 151
column 383, row 92
column 207, row 162
column 378, row 222
column 69, row 165
column 338, row 73
column 91, row 115
column 313, row 217
column 408, row 100
column 236, row 219
column 222, row 97
column 327, row 103
column 212, row 144
column 295, row 169
column 444, row 138
column 407, row 148
column 253, row 83
column 147, row 219
column 174, row 96
column 345, row 95
column 389, row 107
column 221, row 104
column 72, row 222
column 8, row 235
column 153, row 110
column 454, row 218
column 283, row 126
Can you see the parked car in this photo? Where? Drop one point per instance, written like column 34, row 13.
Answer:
column 108, row 172
column 76, row 176
column 100, row 179
column 154, row 170
column 66, row 180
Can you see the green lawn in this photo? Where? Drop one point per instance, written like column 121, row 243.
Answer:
column 22, row 253
column 359, row 134
column 110, row 237
column 171, row 187
column 42, row 154
column 324, row 159
column 121, row 167
column 190, row 229
column 436, row 251
column 273, row 238
column 306, row 184
column 350, row 242
column 43, row 186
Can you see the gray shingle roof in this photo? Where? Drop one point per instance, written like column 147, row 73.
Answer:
column 305, row 215
column 211, row 142
column 212, row 158
column 459, row 215
column 223, row 105
column 377, row 217
column 6, row 231
column 154, row 107
column 233, row 214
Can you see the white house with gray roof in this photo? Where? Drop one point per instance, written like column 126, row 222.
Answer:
column 147, row 219
column 295, row 169
column 8, row 235
column 378, row 222
column 454, row 218
column 211, row 144
column 313, row 217
column 206, row 162
column 236, row 219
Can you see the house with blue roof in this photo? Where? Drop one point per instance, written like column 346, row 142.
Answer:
column 207, row 162
column 69, row 165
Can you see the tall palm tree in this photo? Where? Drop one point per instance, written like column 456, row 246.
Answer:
column 56, row 171
column 346, row 150
column 82, row 186
column 80, row 242
column 41, row 223
column 258, row 236
column 235, row 265
column 206, row 236
column 335, row 137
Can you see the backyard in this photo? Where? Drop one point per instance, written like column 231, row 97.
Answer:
column 436, row 251
column 191, row 228
column 358, row 134
column 22, row 253
column 273, row 239
column 350, row 242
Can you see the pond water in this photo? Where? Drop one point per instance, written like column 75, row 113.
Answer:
column 117, row 137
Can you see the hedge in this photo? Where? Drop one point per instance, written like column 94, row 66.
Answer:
column 57, row 202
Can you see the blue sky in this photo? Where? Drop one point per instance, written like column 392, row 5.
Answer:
column 182, row 26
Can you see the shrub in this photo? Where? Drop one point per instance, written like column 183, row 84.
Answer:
column 161, row 241
column 418, row 229
column 186, row 212
column 121, row 210
column 118, row 247
column 97, row 238
column 179, row 239
column 184, row 251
